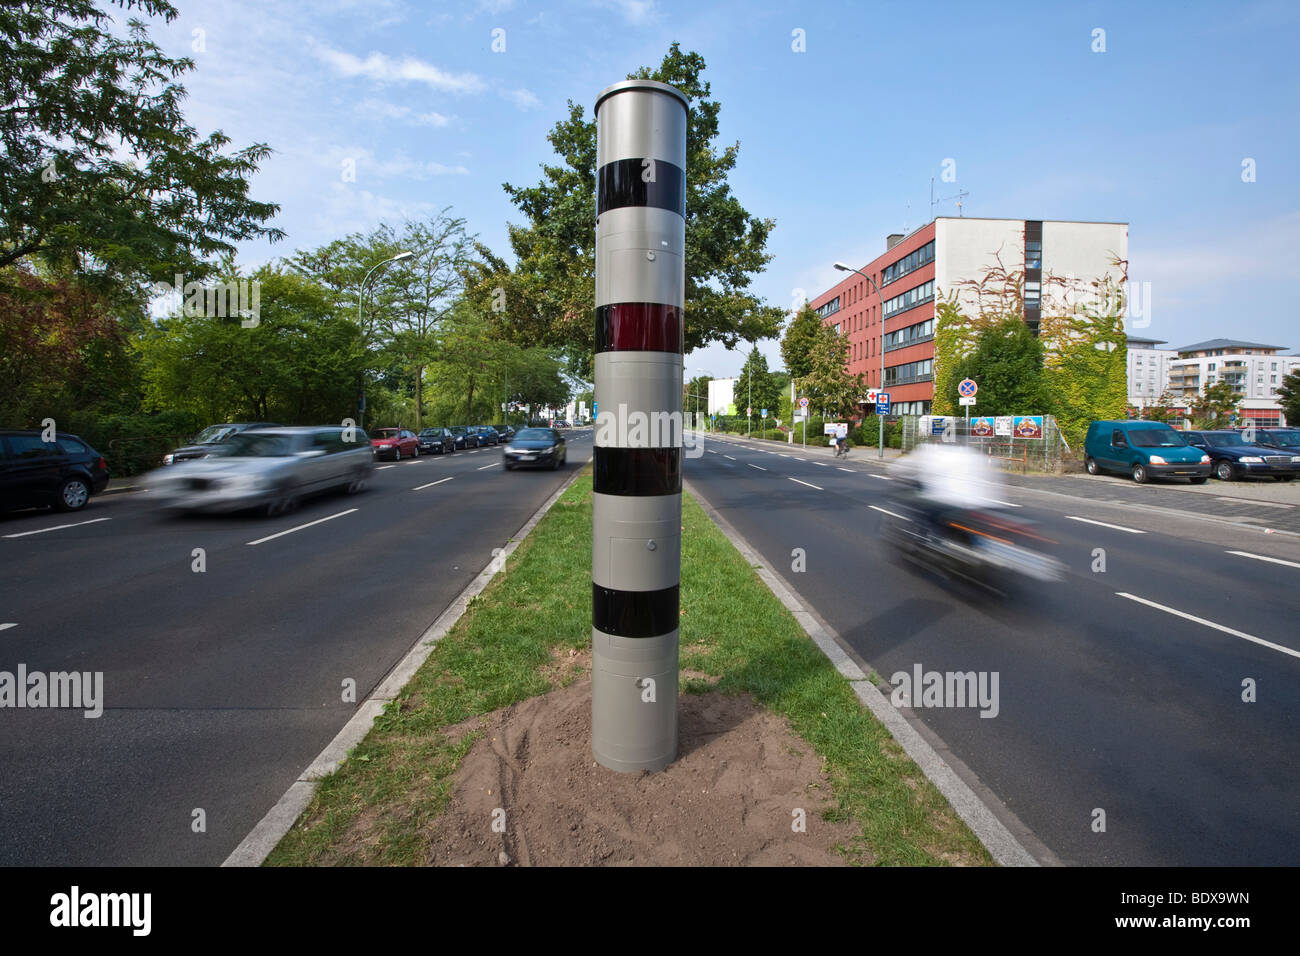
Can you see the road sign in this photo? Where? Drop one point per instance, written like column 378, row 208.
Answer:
column 967, row 387
column 593, row 409
column 882, row 403
column 749, row 411
column 936, row 426
column 803, row 404
column 873, row 396
column 765, row 413
column 967, row 399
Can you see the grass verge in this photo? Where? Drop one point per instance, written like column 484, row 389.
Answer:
column 378, row 807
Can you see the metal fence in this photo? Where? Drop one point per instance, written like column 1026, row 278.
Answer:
column 1014, row 452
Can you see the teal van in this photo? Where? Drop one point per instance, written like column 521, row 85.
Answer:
column 1144, row 450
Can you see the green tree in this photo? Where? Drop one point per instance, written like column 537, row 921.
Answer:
column 1214, row 406
column 1007, row 365
column 1288, row 396
column 1162, row 409
column 100, row 172
column 801, row 334
column 549, row 294
column 830, row 389
column 755, row 388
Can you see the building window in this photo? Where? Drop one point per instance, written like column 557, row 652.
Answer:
column 912, row 297
column 909, row 263
column 830, row 308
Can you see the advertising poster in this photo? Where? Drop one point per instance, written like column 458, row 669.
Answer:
column 981, row 427
column 1028, row 426
column 1002, row 425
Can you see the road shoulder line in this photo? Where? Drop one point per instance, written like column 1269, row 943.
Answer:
column 279, row 820
column 1004, row 847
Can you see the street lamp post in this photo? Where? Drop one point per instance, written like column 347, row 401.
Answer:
column 879, row 298
column 361, row 298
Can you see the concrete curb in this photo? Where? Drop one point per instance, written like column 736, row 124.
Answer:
column 279, row 820
column 1002, row 845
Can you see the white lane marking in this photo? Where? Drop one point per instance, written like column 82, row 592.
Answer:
column 710, row 451
column 797, row 458
column 57, row 527
column 890, row 513
column 729, row 457
column 5, row 627
column 382, row 467
column 881, row 477
column 821, row 464
column 1005, row 504
column 759, row 467
column 1117, row 527
column 804, row 483
column 1260, row 557
column 1253, row 502
column 849, row 470
column 1218, row 627
column 475, row 451
column 486, row 467
column 281, row 534
column 432, row 483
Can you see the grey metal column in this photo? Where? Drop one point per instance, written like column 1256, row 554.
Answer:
column 637, row 509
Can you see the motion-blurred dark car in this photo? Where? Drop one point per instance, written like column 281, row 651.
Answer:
column 465, row 437
column 60, row 474
column 436, row 440
column 205, row 442
column 268, row 468
column 395, row 443
column 1233, row 459
column 487, row 435
column 534, row 448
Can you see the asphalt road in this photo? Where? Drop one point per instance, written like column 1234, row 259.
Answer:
column 1106, row 703
column 221, row 686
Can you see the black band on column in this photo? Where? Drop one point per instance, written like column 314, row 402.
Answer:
column 635, row 613
column 639, row 327
column 637, row 471
column 620, row 183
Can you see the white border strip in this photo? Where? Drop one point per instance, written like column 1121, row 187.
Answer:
column 988, row 829
column 279, row 820
column 1218, row 627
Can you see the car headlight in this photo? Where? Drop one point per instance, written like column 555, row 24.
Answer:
column 1205, row 459
column 1295, row 458
column 510, row 449
column 1251, row 460
column 1157, row 460
column 168, row 458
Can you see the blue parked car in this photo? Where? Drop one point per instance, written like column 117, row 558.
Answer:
column 1143, row 450
column 1233, row 459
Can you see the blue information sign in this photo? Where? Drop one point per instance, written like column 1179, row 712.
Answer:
column 882, row 403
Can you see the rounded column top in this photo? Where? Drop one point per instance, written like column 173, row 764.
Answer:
column 649, row 86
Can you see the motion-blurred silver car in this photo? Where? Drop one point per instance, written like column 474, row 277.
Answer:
column 271, row 469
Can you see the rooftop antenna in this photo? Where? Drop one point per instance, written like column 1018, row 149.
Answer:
column 962, row 194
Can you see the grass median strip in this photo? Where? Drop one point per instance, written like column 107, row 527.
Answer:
column 382, row 804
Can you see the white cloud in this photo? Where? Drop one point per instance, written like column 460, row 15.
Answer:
column 522, row 98
column 404, row 114
column 496, row 6
column 384, row 69
column 633, row 11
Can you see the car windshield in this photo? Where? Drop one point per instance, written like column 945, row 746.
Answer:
column 386, row 433
column 458, row 430
column 1156, row 438
column 1221, row 439
column 535, row 434
column 259, row 445
column 1289, row 437
column 214, row 433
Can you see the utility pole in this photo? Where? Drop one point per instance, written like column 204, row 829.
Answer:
column 637, row 501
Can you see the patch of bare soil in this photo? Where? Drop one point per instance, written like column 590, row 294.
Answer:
column 530, row 793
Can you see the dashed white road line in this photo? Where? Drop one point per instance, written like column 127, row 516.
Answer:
column 1260, row 557
column 759, row 467
column 5, row 627
column 849, row 470
column 1117, row 527
column 486, row 467
column 886, row 511
column 1218, row 627
column 805, row 483
column 870, row 474
column 728, row 457
column 281, row 534
column 432, row 483
column 821, row 464
column 382, row 467
column 57, row 527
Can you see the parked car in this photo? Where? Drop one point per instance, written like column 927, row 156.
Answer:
column 207, row 441
column 395, row 443
column 559, row 423
column 61, row 474
column 439, row 440
column 534, row 447
column 269, row 469
column 1282, row 439
column 465, row 437
column 487, row 435
column 1143, row 450
column 1232, row 459
column 506, row 432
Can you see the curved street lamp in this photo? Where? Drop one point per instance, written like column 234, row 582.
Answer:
column 361, row 298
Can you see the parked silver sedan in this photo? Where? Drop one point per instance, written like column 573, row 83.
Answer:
column 271, row 469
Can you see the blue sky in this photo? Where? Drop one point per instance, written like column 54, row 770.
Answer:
column 838, row 143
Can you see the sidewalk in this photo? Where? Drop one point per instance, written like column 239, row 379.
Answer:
column 858, row 453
